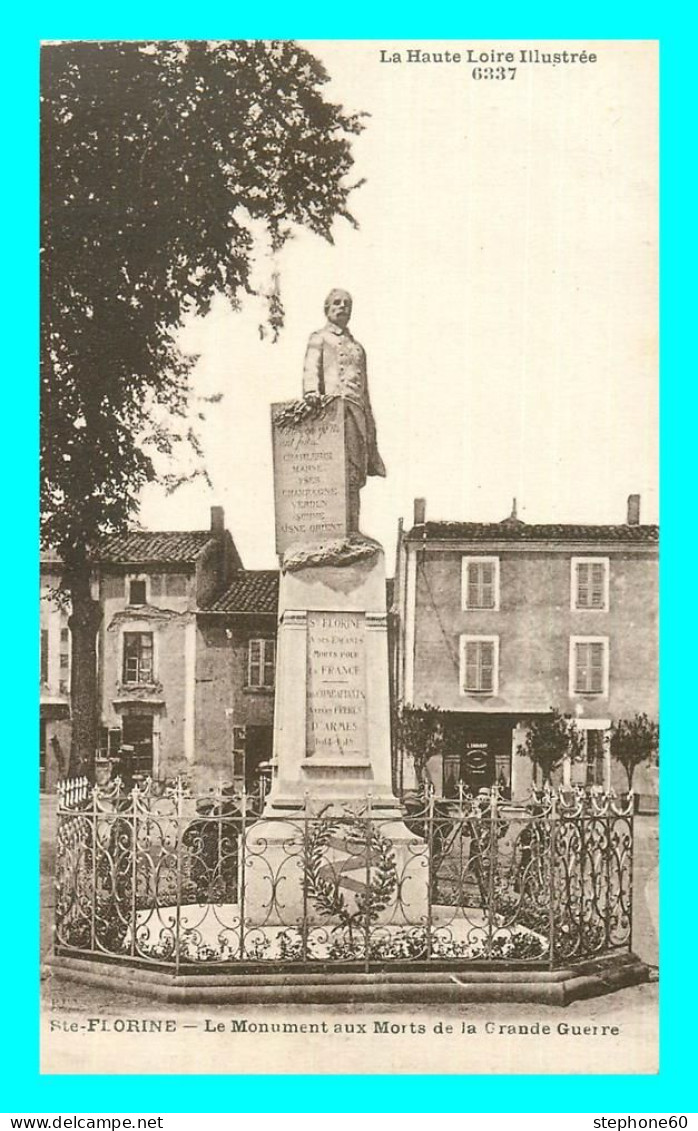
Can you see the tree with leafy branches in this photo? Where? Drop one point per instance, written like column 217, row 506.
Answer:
column 421, row 732
column 159, row 161
column 550, row 740
column 634, row 742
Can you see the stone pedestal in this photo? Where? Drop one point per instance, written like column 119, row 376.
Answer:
column 332, row 755
column 331, row 806
column 332, row 709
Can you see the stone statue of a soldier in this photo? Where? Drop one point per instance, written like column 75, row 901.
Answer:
column 335, row 365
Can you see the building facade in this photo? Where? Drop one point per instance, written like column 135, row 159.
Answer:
column 497, row 623
column 185, row 655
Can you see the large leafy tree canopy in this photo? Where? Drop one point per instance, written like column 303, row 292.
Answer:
column 156, row 158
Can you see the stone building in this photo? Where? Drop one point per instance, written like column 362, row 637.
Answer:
column 186, row 657
column 235, row 674
column 496, row 623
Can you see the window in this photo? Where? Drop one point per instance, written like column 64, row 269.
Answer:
column 479, row 664
column 43, row 661
column 589, row 583
column 138, row 657
column 137, row 737
column 595, row 758
column 480, row 583
column 136, row 592
column 594, row 767
column 260, row 663
column 589, row 665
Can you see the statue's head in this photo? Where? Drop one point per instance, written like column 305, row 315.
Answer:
column 338, row 306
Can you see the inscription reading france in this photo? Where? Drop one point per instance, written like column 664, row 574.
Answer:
column 310, row 479
column 336, row 715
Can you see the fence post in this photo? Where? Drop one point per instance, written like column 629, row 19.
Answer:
column 93, row 909
column 430, row 867
column 241, row 868
column 552, row 849
column 304, row 922
column 610, row 820
column 631, row 826
column 492, row 870
column 134, row 854
column 178, row 911
column 369, row 893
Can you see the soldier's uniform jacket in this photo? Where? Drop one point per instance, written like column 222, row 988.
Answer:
column 335, row 365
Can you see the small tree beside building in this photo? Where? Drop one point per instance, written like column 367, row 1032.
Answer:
column 420, row 735
column 550, row 741
column 634, row 742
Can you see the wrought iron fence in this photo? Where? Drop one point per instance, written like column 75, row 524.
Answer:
column 161, row 877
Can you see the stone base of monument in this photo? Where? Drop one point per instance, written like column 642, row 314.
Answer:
column 520, row 982
column 325, row 873
column 331, row 805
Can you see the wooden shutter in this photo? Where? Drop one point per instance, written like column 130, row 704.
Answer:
column 596, row 585
column 473, row 586
column 479, row 665
column 268, row 663
column 596, row 668
column 486, row 666
column 481, row 585
column 589, row 668
column 487, row 585
column 254, row 663
column 590, row 585
column 472, row 672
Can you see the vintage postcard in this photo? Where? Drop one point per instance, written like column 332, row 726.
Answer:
column 349, row 703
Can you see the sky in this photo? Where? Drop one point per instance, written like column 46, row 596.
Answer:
column 504, row 276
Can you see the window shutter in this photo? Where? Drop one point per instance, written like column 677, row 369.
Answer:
column 486, row 666
column 268, row 663
column 254, row 667
column 479, row 660
column 480, row 585
column 582, row 585
column 471, row 666
column 473, row 586
column 487, row 595
column 596, row 667
column 597, row 586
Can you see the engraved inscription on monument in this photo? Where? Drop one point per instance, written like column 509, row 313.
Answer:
column 336, row 715
column 309, row 478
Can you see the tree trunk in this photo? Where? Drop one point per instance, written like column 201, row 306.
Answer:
column 84, row 622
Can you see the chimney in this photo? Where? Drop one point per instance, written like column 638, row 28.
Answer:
column 420, row 512
column 633, row 510
column 217, row 521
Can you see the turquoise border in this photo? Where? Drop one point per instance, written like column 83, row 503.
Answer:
column 27, row 1091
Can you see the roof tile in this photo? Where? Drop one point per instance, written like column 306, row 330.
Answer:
column 161, row 546
column 252, row 591
column 532, row 532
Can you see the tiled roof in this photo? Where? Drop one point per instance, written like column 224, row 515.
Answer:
column 257, row 591
column 162, row 546
column 252, row 591
column 518, row 531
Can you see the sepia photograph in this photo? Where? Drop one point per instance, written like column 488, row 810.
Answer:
column 349, row 710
